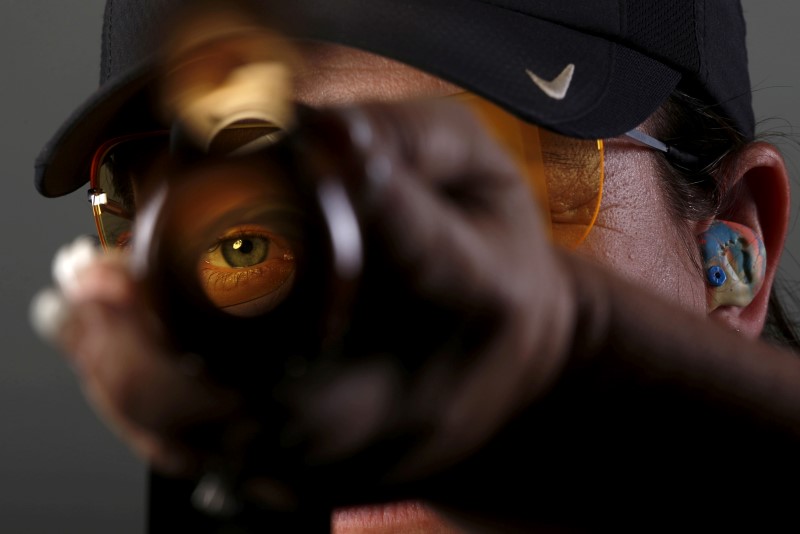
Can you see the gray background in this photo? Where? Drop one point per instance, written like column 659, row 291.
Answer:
column 61, row 470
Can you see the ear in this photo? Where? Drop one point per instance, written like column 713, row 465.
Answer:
column 757, row 196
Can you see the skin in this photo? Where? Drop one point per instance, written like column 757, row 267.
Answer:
column 634, row 237
column 633, row 212
column 634, row 228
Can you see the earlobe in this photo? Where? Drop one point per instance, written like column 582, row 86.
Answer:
column 755, row 217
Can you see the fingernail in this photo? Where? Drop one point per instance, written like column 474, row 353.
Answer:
column 378, row 169
column 48, row 313
column 359, row 127
column 376, row 164
column 71, row 259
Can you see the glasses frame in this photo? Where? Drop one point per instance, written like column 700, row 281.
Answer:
column 100, row 202
column 97, row 196
column 673, row 155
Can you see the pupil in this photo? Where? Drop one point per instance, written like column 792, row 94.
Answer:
column 245, row 247
column 245, row 251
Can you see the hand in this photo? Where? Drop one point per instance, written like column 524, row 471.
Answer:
column 148, row 396
column 466, row 308
column 469, row 334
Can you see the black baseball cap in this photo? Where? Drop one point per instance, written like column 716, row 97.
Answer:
column 583, row 68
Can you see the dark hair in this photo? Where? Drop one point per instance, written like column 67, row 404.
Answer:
column 698, row 193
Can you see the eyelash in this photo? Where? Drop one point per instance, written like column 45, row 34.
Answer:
column 226, row 280
column 266, row 282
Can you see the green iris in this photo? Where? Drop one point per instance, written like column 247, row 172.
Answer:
column 244, row 251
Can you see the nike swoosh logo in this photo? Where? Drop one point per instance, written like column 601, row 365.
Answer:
column 557, row 87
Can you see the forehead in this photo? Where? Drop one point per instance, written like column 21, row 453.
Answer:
column 331, row 74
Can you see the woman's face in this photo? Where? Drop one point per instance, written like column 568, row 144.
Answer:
column 635, row 234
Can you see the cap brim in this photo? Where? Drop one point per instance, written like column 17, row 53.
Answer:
column 608, row 89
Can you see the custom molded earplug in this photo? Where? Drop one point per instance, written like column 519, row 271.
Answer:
column 734, row 262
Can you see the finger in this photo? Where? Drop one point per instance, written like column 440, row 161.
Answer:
column 71, row 259
column 129, row 373
column 149, row 394
column 48, row 313
column 448, row 202
column 172, row 417
column 56, row 320
column 452, row 207
column 51, row 307
column 442, row 139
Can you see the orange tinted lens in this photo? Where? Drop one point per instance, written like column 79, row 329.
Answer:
column 565, row 174
column 112, row 193
column 237, row 216
column 124, row 164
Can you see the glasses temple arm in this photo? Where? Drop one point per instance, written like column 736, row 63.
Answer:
column 674, row 155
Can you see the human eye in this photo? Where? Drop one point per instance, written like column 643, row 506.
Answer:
column 248, row 270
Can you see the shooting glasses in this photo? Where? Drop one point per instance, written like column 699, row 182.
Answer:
column 233, row 218
column 252, row 258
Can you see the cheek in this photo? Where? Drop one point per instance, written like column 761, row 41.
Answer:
column 636, row 237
